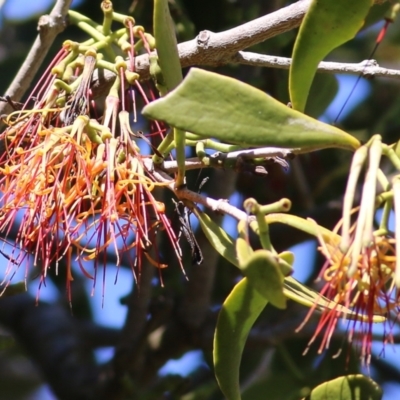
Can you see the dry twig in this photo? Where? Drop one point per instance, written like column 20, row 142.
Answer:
column 49, row 26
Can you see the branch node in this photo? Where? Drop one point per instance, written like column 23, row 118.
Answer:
column 203, row 38
column 55, row 23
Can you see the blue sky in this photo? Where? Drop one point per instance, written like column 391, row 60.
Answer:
column 23, row 9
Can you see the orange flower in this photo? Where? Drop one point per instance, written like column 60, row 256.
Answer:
column 78, row 187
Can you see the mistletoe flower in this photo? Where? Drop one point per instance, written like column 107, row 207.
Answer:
column 78, row 189
column 369, row 293
column 72, row 180
column 362, row 272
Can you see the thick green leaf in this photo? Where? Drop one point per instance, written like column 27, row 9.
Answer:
column 327, row 25
column 167, row 48
column 237, row 316
column 306, row 225
column 218, row 238
column 169, row 62
column 287, row 256
column 322, row 92
column 243, row 248
column 264, row 273
column 351, row 387
column 212, row 105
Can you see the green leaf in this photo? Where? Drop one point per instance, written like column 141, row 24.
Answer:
column 351, row 387
column 264, row 273
column 217, row 237
column 306, row 225
column 327, row 25
column 322, row 92
column 237, row 316
column 212, row 105
column 287, row 256
column 169, row 62
column 167, row 48
column 243, row 248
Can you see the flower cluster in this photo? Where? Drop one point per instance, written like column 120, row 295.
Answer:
column 370, row 292
column 361, row 276
column 73, row 176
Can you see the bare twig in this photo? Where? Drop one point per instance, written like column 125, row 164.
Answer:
column 367, row 68
column 221, row 205
column 207, row 48
column 195, row 163
column 213, row 49
column 49, row 26
column 210, row 48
